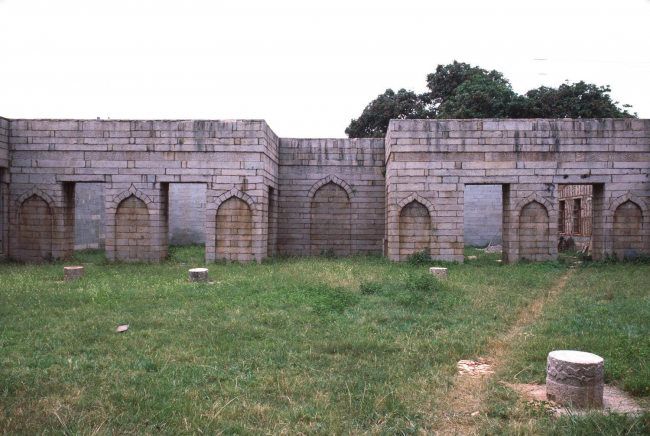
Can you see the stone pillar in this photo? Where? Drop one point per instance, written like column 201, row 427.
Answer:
column 63, row 241
column 575, row 378
column 199, row 275
column 598, row 223
column 4, row 214
column 440, row 273
column 509, row 236
column 71, row 273
column 160, row 223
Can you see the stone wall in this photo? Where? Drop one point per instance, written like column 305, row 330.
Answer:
column 4, row 142
column 265, row 195
column 534, row 231
column 435, row 159
column 187, row 213
column 628, row 230
column 235, row 230
column 90, row 217
column 483, row 215
column 133, row 231
column 347, row 172
column 4, row 180
column 35, row 232
column 415, row 231
column 140, row 159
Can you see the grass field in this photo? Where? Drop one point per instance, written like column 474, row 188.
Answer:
column 310, row 346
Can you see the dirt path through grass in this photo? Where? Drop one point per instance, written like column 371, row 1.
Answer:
column 462, row 412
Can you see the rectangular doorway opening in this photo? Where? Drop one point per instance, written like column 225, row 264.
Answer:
column 575, row 223
column 89, row 219
column 580, row 218
column 483, row 216
column 186, row 221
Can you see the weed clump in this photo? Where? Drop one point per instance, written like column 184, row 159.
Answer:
column 328, row 254
column 420, row 290
column 423, row 281
column 420, row 258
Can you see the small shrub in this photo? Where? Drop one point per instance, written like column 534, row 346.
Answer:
column 420, row 290
column 423, row 282
column 641, row 259
column 420, row 258
column 328, row 254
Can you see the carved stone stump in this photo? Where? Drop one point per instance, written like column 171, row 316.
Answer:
column 575, row 378
column 71, row 273
column 441, row 273
column 199, row 275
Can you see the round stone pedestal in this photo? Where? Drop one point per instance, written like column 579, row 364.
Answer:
column 441, row 273
column 575, row 378
column 71, row 273
column 199, row 275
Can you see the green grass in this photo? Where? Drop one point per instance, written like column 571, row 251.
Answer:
column 604, row 310
column 294, row 345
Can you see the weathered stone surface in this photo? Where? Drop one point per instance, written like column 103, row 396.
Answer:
column 71, row 273
column 199, row 275
column 292, row 188
column 483, row 214
column 440, row 273
column 575, row 378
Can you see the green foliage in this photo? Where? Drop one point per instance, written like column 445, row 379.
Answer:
column 328, row 254
column 290, row 344
column 445, row 83
column 423, row 282
column 605, row 310
column 481, row 97
column 420, row 258
column 420, row 290
column 577, row 100
column 599, row 424
column 374, row 119
column 505, row 415
column 460, row 90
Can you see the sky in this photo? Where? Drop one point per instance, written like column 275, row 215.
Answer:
column 306, row 67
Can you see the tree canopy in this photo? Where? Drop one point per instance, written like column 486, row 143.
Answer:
column 460, row 90
column 374, row 119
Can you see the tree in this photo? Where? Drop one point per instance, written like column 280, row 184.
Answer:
column 445, row 82
column 460, row 90
column 479, row 96
column 374, row 119
column 578, row 100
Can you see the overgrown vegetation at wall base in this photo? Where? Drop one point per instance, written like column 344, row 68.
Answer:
column 355, row 345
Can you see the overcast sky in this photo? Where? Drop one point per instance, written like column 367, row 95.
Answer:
column 306, row 67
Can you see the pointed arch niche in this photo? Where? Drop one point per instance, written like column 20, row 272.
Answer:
column 628, row 229
column 534, row 232
column 132, row 230
column 330, row 223
column 234, row 229
column 36, row 228
column 415, row 230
